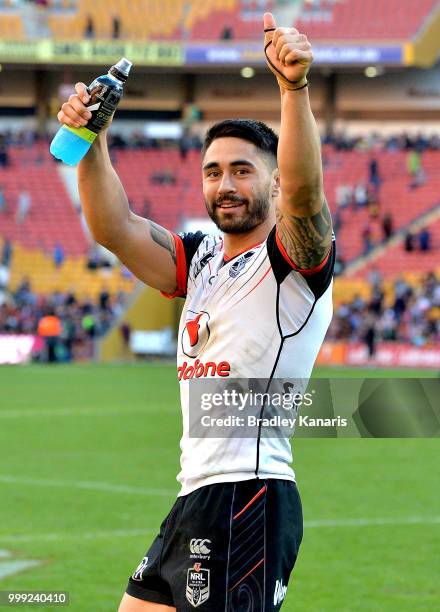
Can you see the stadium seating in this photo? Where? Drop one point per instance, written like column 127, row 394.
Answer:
column 206, row 19
column 169, row 204
column 141, row 20
column 52, row 218
column 329, row 21
column 72, row 276
column 404, row 204
column 396, row 261
column 11, row 27
column 365, row 19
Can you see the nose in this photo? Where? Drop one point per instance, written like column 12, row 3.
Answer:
column 227, row 184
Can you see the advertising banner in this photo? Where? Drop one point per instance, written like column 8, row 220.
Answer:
column 176, row 54
column 91, row 52
column 15, row 349
column 387, row 354
column 252, row 53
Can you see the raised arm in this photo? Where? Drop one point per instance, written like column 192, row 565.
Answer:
column 147, row 249
column 303, row 217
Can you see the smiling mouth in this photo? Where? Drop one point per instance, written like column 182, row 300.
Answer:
column 227, row 204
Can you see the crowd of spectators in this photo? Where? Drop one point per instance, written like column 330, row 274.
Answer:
column 76, row 322
column 409, row 315
column 415, row 145
column 341, row 141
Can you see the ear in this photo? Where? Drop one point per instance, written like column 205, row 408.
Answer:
column 275, row 182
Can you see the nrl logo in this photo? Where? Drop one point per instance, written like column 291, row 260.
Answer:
column 197, row 585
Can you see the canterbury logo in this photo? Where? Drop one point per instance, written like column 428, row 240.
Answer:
column 280, row 592
column 199, row 546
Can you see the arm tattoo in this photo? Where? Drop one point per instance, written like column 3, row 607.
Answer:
column 307, row 240
column 163, row 238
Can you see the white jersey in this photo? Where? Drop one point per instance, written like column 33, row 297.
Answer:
column 255, row 316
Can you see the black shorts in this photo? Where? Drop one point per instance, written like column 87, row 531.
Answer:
column 228, row 546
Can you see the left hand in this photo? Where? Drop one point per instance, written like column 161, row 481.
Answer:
column 290, row 53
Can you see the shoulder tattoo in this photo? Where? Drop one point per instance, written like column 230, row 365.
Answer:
column 163, row 238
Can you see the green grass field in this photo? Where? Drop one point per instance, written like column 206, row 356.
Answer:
column 89, row 456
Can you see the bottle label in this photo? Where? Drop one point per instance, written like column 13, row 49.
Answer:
column 83, row 133
column 102, row 104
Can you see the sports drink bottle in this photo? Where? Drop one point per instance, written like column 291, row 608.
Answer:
column 71, row 144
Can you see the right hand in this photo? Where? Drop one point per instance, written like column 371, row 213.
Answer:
column 74, row 113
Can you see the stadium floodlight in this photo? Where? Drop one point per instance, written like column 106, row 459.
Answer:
column 373, row 71
column 247, row 72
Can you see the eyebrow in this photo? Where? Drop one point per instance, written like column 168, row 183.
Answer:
column 238, row 162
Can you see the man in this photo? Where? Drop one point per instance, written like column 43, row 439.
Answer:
column 258, row 304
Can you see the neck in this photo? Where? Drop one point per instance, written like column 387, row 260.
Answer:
column 237, row 243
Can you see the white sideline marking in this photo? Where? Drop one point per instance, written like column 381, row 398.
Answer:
column 126, row 533
column 91, row 535
column 94, row 486
column 361, row 522
column 19, row 414
column 10, row 568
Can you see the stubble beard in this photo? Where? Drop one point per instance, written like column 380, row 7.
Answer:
column 255, row 214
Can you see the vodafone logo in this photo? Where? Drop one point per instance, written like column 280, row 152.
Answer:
column 196, row 333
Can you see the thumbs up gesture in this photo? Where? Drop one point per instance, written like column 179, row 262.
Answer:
column 288, row 54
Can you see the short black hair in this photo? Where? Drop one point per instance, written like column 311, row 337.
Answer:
column 256, row 132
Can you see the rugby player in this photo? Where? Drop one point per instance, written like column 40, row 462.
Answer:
column 258, row 304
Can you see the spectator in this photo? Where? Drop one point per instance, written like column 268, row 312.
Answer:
column 23, row 206
column 409, row 242
column 343, row 195
column 360, row 195
column 58, row 256
column 337, row 221
column 415, row 170
column 7, row 251
column 425, row 239
column 49, row 328
column 3, row 205
column 374, row 176
column 413, row 316
column 184, row 146
column 4, row 155
column 339, row 266
column 369, row 333
column 104, row 300
column 89, row 31
column 116, row 27
column 4, row 280
column 387, row 225
column 367, row 239
column 375, row 278
column 227, row 33
column 163, row 177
